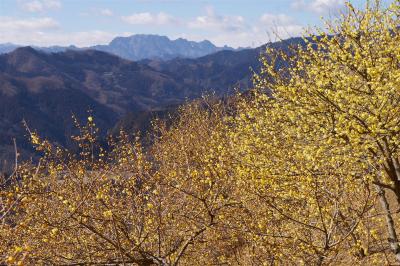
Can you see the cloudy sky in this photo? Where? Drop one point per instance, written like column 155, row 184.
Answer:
column 232, row 22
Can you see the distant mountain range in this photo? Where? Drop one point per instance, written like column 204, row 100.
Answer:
column 139, row 47
column 45, row 89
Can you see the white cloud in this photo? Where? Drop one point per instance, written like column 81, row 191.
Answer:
column 233, row 30
column 236, row 31
column 106, row 12
column 45, row 38
column 278, row 26
column 39, row 5
column 13, row 24
column 213, row 21
column 147, row 18
column 319, row 6
column 46, row 31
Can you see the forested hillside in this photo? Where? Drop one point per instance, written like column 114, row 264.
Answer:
column 46, row 89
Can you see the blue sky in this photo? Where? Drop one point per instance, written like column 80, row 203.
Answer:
column 232, row 22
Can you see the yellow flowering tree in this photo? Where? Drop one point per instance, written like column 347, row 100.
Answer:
column 335, row 113
column 193, row 171
column 168, row 204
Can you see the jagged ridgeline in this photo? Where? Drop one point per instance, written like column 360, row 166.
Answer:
column 140, row 46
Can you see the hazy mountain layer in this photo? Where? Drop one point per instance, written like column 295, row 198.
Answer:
column 141, row 46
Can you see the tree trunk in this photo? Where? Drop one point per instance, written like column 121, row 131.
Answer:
column 392, row 235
